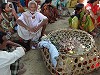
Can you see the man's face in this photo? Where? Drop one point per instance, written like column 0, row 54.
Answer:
column 33, row 7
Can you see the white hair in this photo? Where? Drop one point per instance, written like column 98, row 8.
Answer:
column 32, row 2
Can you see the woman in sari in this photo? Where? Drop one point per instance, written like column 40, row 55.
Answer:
column 50, row 11
column 74, row 20
column 62, row 7
column 93, row 8
column 8, row 15
column 81, row 19
column 86, row 23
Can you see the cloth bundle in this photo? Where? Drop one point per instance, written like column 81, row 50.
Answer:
column 52, row 50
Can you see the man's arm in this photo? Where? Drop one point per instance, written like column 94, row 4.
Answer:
column 44, row 22
column 3, row 45
column 20, row 22
column 10, row 57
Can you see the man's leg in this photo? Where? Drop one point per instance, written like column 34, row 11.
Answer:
column 43, row 30
column 14, row 68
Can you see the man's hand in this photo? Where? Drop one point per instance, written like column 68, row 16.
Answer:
column 35, row 29
column 13, row 43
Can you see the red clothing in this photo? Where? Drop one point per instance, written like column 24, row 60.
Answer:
column 26, row 2
column 94, row 9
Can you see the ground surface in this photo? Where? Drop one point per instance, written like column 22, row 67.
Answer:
column 33, row 59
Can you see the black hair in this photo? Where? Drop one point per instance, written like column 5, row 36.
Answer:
column 1, row 35
column 92, row 1
column 79, row 6
column 3, row 6
column 46, row 1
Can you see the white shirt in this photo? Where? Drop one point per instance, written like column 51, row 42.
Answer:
column 7, row 58
column 27, row 19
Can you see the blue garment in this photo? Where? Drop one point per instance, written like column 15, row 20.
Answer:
column 22, row 2
column 63, row 3
column 52, row 50
column 54, row 2
column 19, row 14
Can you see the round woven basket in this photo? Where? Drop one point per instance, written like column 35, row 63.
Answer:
column 72, row 62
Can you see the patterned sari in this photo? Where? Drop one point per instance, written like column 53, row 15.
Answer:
column 50, row 11
column 87, row 25
column 7, row 22
column 95, row 10
column 77, row 23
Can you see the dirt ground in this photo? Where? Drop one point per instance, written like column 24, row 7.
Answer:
column 33, row 59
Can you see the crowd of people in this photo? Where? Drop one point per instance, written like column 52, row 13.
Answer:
column 86, row 17
column 24, row 30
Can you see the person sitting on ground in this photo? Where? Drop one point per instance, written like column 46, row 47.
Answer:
column 92, row 7
column 74, row 19
column 31, row 24
column 8, row 20
column 50, row 11
column 81, row 19
column 62, row 7
column 94, row 10
column 9, row 58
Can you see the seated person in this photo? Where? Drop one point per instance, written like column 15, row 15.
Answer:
column 84, row 20
column 50, row 11
column 8, row 20
column 74, row 19
column 93, row 8
column 62, row 7
column 8, row 60
column 31, row 24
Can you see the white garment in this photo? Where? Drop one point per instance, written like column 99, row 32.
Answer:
column 52, row 50
column 5, row 1
column 27, row 19
column 7, row 58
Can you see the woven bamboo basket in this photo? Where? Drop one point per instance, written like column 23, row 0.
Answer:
column 72, row 63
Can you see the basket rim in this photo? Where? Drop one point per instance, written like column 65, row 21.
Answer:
column 75, row 55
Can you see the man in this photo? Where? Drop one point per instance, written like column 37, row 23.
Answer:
column 8, row 58
column 31, row 24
